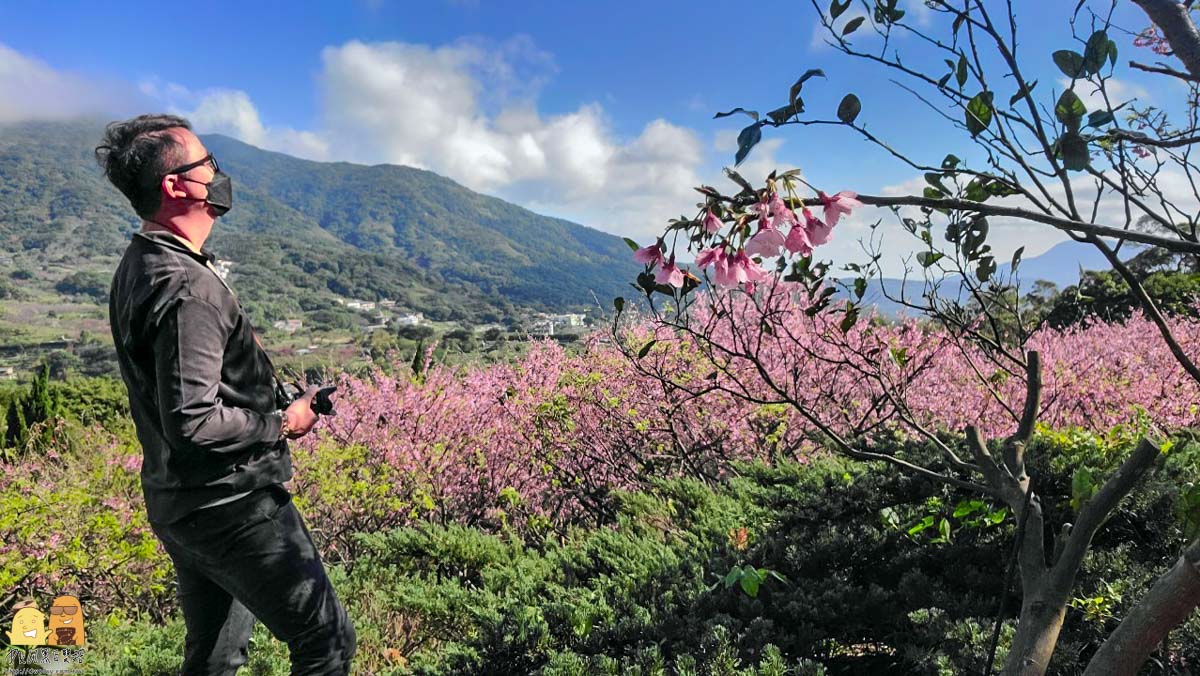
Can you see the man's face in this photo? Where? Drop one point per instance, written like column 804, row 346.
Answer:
column 190, row 185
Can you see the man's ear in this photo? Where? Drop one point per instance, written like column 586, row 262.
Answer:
column 172, row 186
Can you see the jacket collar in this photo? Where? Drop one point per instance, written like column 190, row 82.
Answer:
column 170, row 241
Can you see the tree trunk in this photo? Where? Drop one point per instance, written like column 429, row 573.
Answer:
column 1176, row 25
column 1041, row 620
column 1168, row 603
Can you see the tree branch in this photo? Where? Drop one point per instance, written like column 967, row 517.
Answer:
column 1168, row 603
column 1096, row 511
column 1163, row 70
column 1173, row 19
column 1064, row 224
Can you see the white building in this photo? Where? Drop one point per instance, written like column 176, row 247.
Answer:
column 223, row 267
column 567, row 320
column 410, row 319
column 289, row 325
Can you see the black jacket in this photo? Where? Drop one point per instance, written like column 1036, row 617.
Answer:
column 201, row 389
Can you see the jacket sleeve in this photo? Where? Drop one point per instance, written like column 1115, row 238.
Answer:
column 189, row 348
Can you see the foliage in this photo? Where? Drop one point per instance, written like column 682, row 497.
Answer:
column 1102, row 296
column 860, row 593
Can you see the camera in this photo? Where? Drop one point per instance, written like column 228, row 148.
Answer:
column 321, row 403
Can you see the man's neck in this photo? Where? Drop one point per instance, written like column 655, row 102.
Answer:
column 152, row 226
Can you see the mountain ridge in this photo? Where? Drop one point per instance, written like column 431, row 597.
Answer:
column 301, row 227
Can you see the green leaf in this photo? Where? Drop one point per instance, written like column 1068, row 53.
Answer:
column 944, row 530
column 737, row 178
column 968, row 507
column 1083, row 487
column 849, row 108
column 631, row 244
column 1069, row 62
column 1070, row 109
column 733, row 576
column 860, row 288
column 783, row 113
column 899, row 355
column 935, row 180
column 795, row 91
column 1099, row 118
column 979, row 113
column 1074, row 151
column 961, row 73
column 1095, row 52
column 987, row 267
column 1025, row 89
column 997, row 187
column 928, row 258
column 751, row 113
column 921, row 525
column 619, row 304
column 749, row 137
column 950, row 162
column 751, row 580
column 850, row 319
column 1016, row 259
column 853, row 25
column 646, row 348
column 836, row 8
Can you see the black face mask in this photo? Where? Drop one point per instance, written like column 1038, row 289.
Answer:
column 220, row 188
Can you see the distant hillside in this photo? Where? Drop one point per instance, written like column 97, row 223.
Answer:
column 1060, row 265
column 302, row 232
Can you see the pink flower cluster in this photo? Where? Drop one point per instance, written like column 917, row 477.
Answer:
column 780, row 232
column 549, row 437
column 1153, row 38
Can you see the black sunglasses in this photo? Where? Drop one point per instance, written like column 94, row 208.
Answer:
column 207, row 159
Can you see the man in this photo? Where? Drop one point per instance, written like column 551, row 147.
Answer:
column 211, row 417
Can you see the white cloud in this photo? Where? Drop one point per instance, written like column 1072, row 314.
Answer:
column 1119, row 91
column 32, row 90
column 231, row 112
column 469, row 111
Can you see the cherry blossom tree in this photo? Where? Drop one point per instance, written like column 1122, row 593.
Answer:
column 760, row 306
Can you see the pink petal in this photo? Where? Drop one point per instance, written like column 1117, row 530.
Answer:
column 712, row 224
column 707, row 257
column 670, row 275
column 766, row 243
column 649, row 255
column 797, row 241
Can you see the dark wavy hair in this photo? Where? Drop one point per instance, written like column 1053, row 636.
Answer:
column 136, row 153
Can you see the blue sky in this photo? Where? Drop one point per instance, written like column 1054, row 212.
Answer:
column 598, row 112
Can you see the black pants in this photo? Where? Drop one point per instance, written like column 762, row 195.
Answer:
column 251, row 558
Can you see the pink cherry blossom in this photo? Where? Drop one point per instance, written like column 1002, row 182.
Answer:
column 745, row 269
column 839, row 204
column 767, row 243
column 669, row 274
column 781, row 212
column 650, row 255
column 706, row 257
column 798, row 241
column 712, row 224
column 816, row 229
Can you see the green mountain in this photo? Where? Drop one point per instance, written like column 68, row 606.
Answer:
column 303, row 232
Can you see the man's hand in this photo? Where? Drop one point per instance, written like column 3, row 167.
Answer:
column 300, row 415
